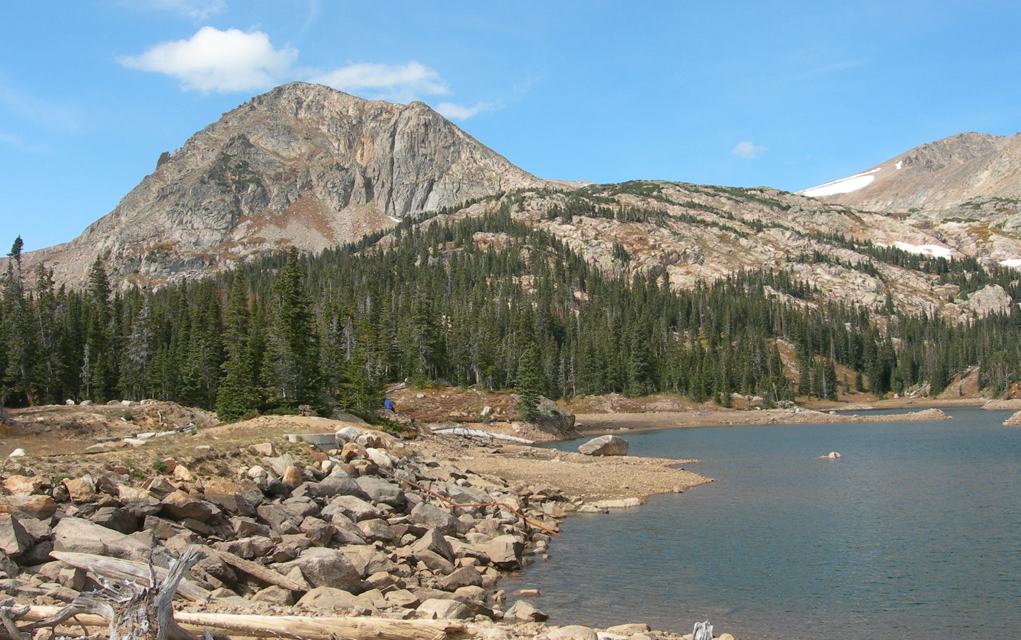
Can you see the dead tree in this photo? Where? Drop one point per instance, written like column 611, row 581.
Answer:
column 132, row 611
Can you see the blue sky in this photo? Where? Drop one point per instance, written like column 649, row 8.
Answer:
column 784, row 94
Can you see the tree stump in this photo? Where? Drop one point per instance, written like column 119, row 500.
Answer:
column 132, row 611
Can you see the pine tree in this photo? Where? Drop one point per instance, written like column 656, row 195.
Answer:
column 291, row 366
column 527, row 384
column 237, row 395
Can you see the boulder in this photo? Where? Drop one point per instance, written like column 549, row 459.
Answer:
column 239, row 497
column 443, row 609
column 604, row 446
column 279, row 518
column 463, row 577
column 524, row 611
column 279, row 464
column 403, row 598
column 274, row 595
column 376, row 530
column 117, row 518
column 345, row 435
column 572, row 632
column 82, row 536
column 354, row 508
column 380, row 490
column 434, row 561
column 339, row 483
column 503, row 551
column 429, row 515
column 329, row 598
column 30, row 506
column 292, row 477
column 180, row 505
column 14, row 540
column 326, row 568
column 434, row 541
column 24, row 485
column 368, row 560
column 80, row 490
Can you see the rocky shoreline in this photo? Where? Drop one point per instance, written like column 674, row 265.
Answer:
column 354, row 522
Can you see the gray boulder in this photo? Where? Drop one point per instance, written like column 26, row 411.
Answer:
column 503, row 551
column 380, row 490
column 429, row 515
column 82, row 536
column 326, row 568
column 605, row 446
column 443, row 609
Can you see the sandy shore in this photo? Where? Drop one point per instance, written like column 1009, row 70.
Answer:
column 617, row 422
column 588, row 478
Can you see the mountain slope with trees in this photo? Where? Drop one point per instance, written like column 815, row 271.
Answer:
column 485, row 300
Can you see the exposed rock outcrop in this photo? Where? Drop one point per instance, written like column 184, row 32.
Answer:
column 301, row 165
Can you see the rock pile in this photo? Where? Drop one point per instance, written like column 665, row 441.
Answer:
column 360, row 524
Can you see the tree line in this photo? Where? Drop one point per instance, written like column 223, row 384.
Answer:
column 484, row 301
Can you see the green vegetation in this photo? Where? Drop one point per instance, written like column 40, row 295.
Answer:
column 290, row 329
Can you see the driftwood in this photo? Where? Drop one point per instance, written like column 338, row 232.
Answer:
column 130, row 611
column 702, row 631
column 117, row 569
column 307, row 628
column 256, row 570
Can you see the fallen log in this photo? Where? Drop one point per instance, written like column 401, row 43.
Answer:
column 307, row 628
column 256, row 570
column 117, row 569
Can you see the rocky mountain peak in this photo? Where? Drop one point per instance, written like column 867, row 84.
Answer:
column 302, row 165
column 945, row 174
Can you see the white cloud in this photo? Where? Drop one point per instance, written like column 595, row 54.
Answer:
column 194, row 9
column 399, row 82
column 748, row 150
column 458, row 112
column 214, row 60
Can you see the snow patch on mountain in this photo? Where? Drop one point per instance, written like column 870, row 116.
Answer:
column 934, row 250
column 844, row 185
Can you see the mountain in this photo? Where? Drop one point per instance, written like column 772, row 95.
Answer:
column 968, row 170
column 310, row 167
column 301, row 165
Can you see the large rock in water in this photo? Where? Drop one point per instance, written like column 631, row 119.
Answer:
column 605, row 446
column 1013, row 421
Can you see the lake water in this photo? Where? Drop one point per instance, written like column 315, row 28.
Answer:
column 914, row 533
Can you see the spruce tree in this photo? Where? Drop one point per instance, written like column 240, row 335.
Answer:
column 237, row 395
column 291, row 366
column 527, row 384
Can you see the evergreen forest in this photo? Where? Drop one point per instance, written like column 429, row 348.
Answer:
column 486, row 301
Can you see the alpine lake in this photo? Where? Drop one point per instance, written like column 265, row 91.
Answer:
column 914, row 533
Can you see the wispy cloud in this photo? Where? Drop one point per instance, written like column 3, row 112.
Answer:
column 42, row 112
column 748, row 150
column 458, row 112
column 214, row 60
column 16, row 142
column 401, row 82
column 194, row 9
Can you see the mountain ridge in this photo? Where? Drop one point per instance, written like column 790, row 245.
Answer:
column 301, row 164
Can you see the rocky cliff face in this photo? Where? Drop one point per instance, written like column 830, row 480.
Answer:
column 301, row 165
column 966, row 170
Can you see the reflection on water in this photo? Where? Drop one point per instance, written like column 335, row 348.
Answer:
column 914, row 533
